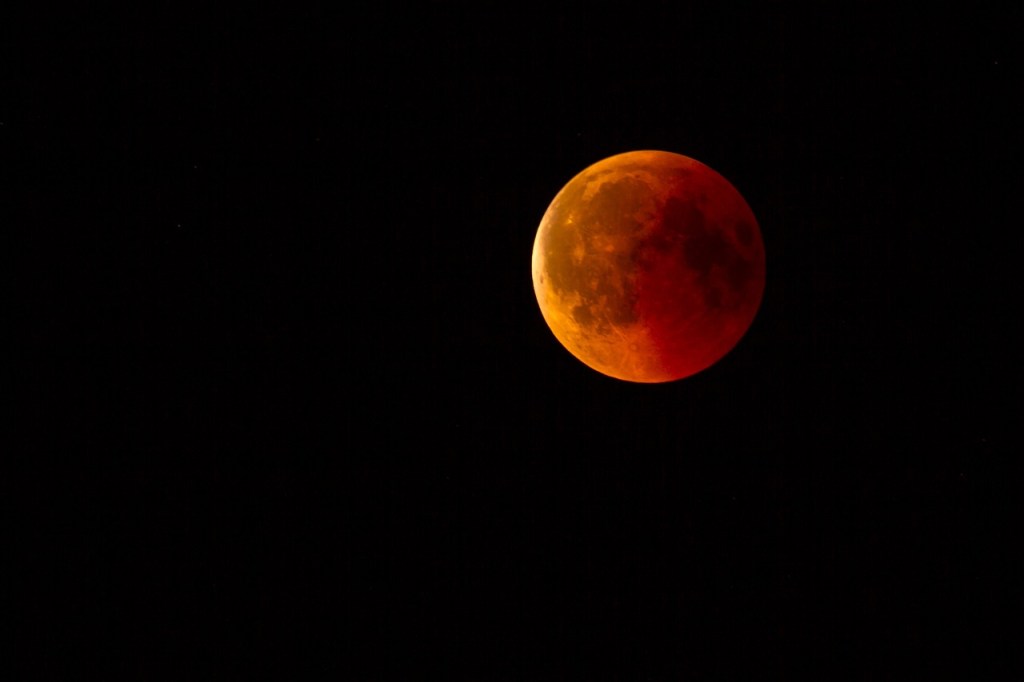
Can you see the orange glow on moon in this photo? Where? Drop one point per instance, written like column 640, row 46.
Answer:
column 649, row 266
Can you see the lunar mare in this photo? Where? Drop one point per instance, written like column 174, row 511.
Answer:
column 648, row 266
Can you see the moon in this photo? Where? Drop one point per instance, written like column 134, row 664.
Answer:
column 649, row 266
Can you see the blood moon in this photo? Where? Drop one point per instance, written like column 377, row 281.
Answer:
column 649, row 266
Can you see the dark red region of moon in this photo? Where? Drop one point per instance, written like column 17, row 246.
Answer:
column 649, row 266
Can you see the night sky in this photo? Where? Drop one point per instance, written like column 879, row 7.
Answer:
column 286, row 403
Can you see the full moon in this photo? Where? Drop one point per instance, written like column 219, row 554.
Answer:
column 649, row 266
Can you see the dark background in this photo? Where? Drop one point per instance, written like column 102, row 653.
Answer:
column 286, row 404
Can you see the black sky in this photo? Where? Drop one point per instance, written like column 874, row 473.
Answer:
column 290, row 404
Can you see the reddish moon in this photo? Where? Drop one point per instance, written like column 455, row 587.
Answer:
column 649, row 266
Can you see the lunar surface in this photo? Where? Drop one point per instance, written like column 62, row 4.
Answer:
column 649, row 266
